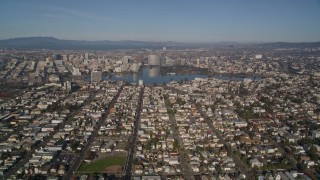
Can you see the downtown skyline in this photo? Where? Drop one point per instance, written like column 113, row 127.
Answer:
column 205, row 21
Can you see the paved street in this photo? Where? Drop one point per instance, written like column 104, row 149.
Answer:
column 183, row 155
column 132, row 149
column 239, row 164
column 75, row 165
column 16, row 167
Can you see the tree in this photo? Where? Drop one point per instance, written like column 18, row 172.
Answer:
column 304, row 141
column 313, row 153
column 74, row 145
column 301, row 166
column 219, row 169
column 243, row 90
column 175, row 145
column 294, row 128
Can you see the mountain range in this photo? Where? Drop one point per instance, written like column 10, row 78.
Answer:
column 59, row 44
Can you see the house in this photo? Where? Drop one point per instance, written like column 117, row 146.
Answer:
column 61, row 170
column 292, row 138
column 138, row 169
column 84, row 177
column 240, row 124
column 316, row 133
column 45, row 169
column 108, row 146
column 256, row 163
column 309, row 163
column 223, row 153
column 304, row 158
column 151, row 178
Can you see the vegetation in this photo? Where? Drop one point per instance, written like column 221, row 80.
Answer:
column 101, row 164
column 74, row 145
column 172, row 111
column 180, row 101
column 243, row 91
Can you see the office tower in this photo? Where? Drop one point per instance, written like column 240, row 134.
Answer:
column 57, row 57
column 154, row 60
column 96, row 76
column 198, row 62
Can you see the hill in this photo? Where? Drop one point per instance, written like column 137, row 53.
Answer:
column 59, row 44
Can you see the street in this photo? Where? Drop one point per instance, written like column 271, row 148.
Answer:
column 132, row 149
column 183, row 157
column 75, row 165
column 17, row 166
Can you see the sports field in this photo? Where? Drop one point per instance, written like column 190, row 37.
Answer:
column 101, row 164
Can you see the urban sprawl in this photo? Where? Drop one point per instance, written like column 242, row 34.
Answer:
column 63, row 117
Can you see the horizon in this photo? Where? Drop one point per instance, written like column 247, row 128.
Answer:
column 188, row 22
column 14, row 38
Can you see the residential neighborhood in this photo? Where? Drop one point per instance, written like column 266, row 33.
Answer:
column 225, row 115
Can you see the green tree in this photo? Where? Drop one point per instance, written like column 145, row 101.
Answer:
column 175, row 145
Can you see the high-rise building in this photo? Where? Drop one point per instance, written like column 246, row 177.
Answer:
column 198, row 62
column 68, row 86
column 57, row 57
column 76, row 71
column 126, row 59
column 140, row 82
column 65, row 57
column 49, row 59
column 258, row 56
column 162, row 60
column 96, row 76
column 86, row 56
column 135, row 67
column 154, row 60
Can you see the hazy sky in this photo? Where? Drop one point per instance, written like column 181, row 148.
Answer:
column 163, row 20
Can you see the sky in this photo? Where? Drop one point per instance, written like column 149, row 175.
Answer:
column 165, row 20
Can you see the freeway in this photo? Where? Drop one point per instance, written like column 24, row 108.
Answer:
column 132, row 149
column 75, row 165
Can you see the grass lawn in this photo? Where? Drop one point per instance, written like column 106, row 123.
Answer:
column 101, row 164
